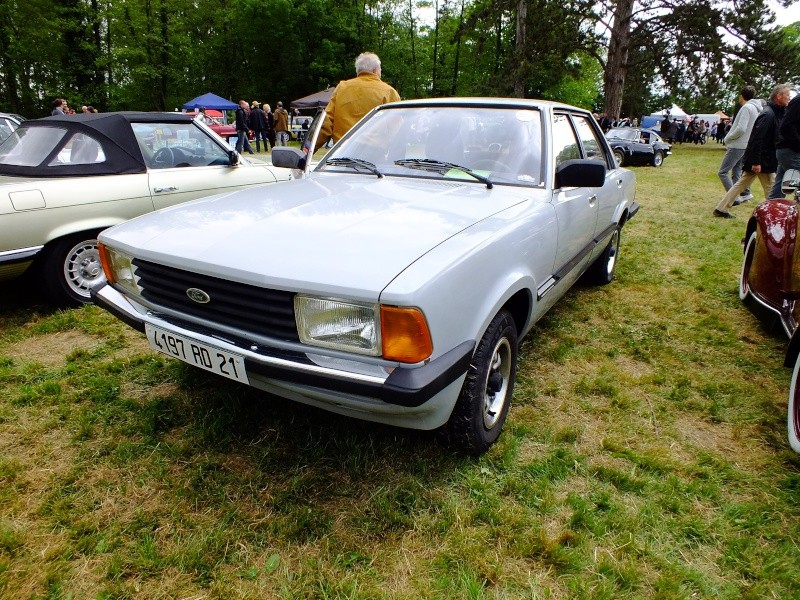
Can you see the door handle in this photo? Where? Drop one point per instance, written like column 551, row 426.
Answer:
column 166, row 188
column 592, row 199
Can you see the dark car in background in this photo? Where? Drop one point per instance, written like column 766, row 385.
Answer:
column 637, row 146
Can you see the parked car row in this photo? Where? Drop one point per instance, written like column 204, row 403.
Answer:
column 393, row 281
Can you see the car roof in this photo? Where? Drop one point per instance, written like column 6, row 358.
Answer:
column 487, row 102
column 112, row 130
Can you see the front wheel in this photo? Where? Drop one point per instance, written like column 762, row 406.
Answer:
column 619, row 157
column 747, row 263
column 70, row 268
column 658, row 159
column 794, row 408
column 482, row 406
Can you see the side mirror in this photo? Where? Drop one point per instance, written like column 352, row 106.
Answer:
column 580, row 173
column 233, row 158
column 791, row 181
column 288, row 157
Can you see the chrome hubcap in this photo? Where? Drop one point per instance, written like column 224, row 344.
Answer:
column 82, row 267
column 496, row 384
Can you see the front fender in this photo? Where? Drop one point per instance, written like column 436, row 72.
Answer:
column 773, row 271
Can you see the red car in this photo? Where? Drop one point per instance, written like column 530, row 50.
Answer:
column 215, row 121
column 770, row 280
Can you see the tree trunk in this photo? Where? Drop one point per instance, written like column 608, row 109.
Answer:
column 617, row 64
column 521, row 48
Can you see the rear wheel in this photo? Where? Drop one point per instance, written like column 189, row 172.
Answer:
column 482, row 406
column 747, row 263
column 658, row 159
column 71, row 266
column 601, row 272
column 619, row 157
column 794, row 408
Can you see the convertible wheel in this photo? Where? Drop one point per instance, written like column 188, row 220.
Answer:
column 794, row 408
column 71, row 266
column 601, row 272
column 482, row 406
column 658, row 159
column 747, row 263
column 619, row 157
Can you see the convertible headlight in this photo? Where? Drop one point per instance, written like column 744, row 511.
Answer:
column 330, row 323
column 118, row 268
column 393, row 332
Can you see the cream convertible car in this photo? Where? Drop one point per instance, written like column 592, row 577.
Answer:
column 63, row 179
column 393, row 282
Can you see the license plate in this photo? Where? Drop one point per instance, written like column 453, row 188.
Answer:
column 197, row 354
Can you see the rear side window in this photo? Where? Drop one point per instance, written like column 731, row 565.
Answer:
column 29, row 147
column 81, row 149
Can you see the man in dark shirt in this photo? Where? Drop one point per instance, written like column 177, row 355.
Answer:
column 788, row 147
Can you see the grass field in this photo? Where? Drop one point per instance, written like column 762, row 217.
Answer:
column 645, row 455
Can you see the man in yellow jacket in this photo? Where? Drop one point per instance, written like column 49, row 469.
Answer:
column 354, row 98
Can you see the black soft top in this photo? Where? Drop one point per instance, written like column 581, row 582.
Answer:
column 112, row 130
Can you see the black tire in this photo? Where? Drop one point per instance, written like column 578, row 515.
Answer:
column 482, row 407
column 619, row 157
column 747, row 263
column 658, row 158
column 793, row 421
column 602, row 270
column 70, row 267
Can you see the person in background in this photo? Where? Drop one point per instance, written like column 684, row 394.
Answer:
column 736, row 139
column 59, row 107
column 354, row 98
column 759, row 159
column 242, row 127
column 258, row 123
column 788, row 146
column 281, row 125
column 270, row 130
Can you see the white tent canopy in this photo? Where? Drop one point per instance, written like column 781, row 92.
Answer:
column 676, row 112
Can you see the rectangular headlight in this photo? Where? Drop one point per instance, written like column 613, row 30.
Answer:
column 331, row 323
column 119, row 269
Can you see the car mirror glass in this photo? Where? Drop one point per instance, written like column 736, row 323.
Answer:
column 233, row 157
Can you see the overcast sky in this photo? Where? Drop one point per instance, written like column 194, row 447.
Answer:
column 786, row 16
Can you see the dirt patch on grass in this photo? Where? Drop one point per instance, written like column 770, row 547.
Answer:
column 52, row 349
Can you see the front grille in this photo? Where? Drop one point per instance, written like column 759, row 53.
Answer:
column 245, row 307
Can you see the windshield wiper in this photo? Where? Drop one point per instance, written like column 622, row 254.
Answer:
column 440, row 166
column 356, row 163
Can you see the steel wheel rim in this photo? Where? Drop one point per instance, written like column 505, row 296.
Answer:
column 494, row 401
column 749, row 253
column 82, row 268
column 658, row 159
column 618, row 158
column 613, row 250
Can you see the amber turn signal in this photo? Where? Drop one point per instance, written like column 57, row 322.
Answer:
column 404, row 334
column 105, row 262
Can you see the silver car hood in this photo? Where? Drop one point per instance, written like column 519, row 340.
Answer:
column 324, row 234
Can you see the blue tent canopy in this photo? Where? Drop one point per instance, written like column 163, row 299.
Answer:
column 210, row 101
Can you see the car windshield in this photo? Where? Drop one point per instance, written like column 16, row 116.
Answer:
column 623, row 133
column 30, row 146
column 495, row 144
